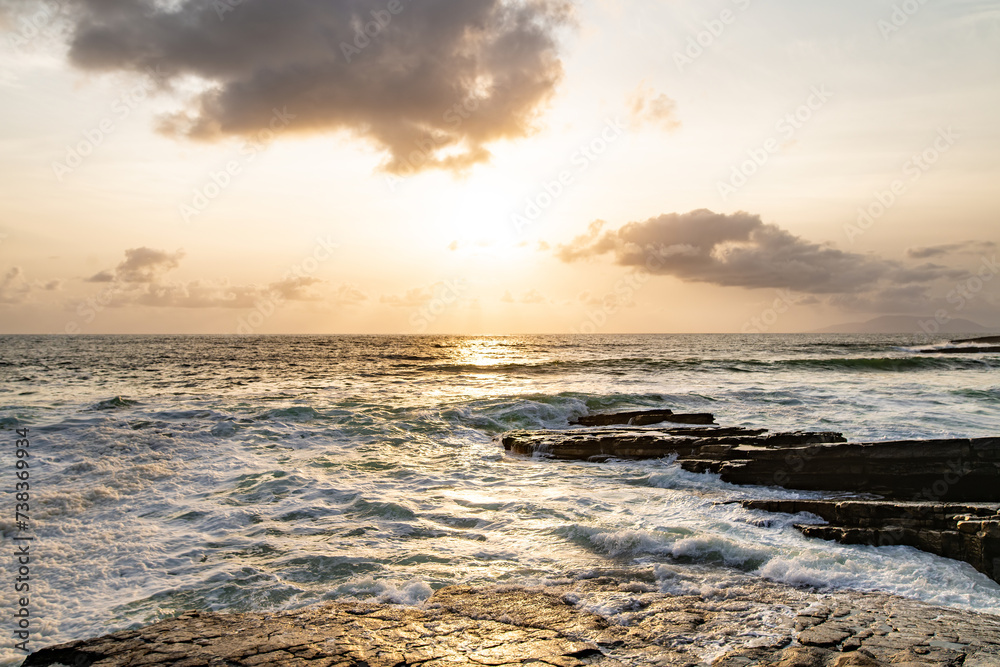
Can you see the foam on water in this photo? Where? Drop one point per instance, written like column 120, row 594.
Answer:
column 280, row 472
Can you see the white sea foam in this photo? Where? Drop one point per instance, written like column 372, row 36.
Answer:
column 251, row 485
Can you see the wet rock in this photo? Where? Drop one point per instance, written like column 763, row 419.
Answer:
column 643, row 418
column 952, row 470
column 983, row 339
column 975, row 349
column 824, row 635
column 565, row 625
column 636, row 443
column 969, row 533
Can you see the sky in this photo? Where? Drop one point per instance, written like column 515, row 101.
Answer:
column 496, row 166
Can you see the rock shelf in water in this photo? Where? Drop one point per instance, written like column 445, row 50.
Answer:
column 969, row 533
column 923, row 479
column 982, row 339
column 643, row 418
column 605, row 620
column 957, row 469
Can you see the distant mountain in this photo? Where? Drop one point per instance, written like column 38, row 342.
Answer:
column 905, row 324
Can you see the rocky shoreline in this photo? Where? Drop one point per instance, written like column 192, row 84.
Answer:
column 959, row 469
column 611, row 619
column 940, row 496
column 969, row 533
column 924, row 486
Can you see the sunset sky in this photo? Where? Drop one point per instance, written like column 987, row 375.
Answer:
column 490, row 166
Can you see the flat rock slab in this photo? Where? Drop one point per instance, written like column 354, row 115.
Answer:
column 951, row 470
column 643, row 418
column 982, row 339
column 978, row 349
column 651, row 443
column 611, row 620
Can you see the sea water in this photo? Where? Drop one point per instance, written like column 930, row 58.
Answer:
column 267, row 473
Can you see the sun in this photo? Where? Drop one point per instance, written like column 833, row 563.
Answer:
column 480, row 217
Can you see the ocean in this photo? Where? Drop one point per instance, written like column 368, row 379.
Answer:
column 267, row 473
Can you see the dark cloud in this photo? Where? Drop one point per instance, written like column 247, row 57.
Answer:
column 740, row 250
column 431, row 84
column 102, row 277
column 927, row 252
column 141, row 265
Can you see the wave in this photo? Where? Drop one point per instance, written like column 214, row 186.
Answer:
column 895, row 364
column 114, row 403
column 681, row 544
column 296, row 413
column 988, row 395
column 633, row 364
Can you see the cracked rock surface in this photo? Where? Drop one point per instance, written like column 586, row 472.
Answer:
column 614, row 618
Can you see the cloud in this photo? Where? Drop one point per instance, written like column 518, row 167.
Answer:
column 140, row 279
column 15, row 287
column 647, row 107
column 349, row 294
column 739, row 250
column 102, row 277
column 531, row 298
column 943, row 250
column 444, row 292
column 438, row 80
column 297, row 289
column 141, row 265
column 417, row 296
column 194, row 294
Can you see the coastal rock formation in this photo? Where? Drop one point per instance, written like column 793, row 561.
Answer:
column 983, row 344
column 969, row 533
column 637, row 443
column 609, row 619
column 982, row 339
column 643, row 418
column 960, row 470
